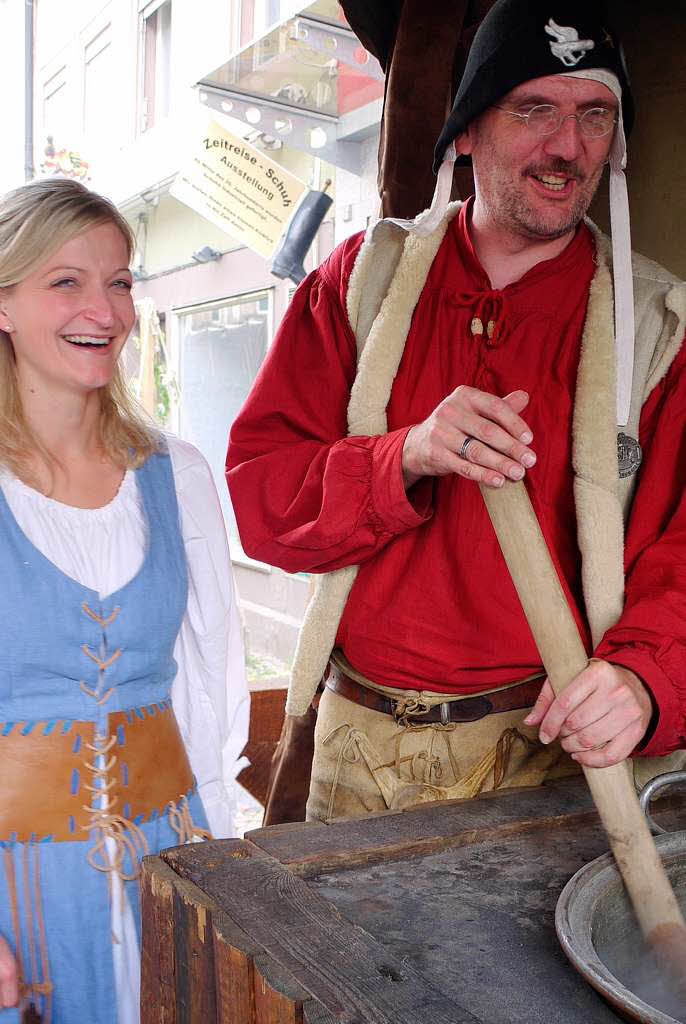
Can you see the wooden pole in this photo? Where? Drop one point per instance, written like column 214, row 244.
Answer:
column 564, row 657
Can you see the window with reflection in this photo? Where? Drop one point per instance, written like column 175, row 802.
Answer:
column 221, row 348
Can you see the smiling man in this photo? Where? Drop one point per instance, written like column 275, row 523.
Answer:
column 497, row 339
column 538, row 184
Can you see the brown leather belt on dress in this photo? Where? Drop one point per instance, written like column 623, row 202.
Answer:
column 467, row 709
column 52, row 772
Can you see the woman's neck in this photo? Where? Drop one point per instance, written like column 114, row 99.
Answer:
column 67, row 427
column 67, row 424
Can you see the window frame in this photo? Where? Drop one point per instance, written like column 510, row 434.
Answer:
column 104, row 32
column 146, row 9
column 61, row 77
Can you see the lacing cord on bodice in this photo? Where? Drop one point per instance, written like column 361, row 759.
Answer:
column 106, row 823
column 106, row 820
column 181, row 821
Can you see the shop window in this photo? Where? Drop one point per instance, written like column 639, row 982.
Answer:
column 97, row 91
column 221, row 348
column 155, row 39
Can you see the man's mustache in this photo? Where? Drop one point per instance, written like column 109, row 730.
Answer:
column 556, row 166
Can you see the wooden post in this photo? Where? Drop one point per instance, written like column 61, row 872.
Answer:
column 158, row 994
column 271, row 1005
column 177, row 964
column 234, row 981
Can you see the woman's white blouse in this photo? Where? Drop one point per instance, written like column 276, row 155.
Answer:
column 104, row 548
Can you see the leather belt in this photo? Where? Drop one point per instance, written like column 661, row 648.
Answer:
column 51, row 772
column 467, row 709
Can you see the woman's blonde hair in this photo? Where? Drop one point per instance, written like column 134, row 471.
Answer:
column 36, row 220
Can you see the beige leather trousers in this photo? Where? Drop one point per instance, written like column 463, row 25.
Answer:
column 365, row 761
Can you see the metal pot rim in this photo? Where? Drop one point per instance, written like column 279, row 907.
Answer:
column 573, row 922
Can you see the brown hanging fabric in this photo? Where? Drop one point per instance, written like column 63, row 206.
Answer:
column 422, row 48
column 419, row 88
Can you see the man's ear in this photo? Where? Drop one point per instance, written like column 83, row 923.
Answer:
column 464, row 142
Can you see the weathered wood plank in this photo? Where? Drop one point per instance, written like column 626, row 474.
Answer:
column 274, row 1003
column 217, row 958
column 283, row 827
column 427, row 828
column 236, row 956
column 477, row 922
column 158, row 1000
column 315, row 1013
column 240, row 966
column 250, row 985
column 350, row 973
column 234, row 983
column 193, row 955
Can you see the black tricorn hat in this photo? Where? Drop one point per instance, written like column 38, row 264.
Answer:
column 523, row 39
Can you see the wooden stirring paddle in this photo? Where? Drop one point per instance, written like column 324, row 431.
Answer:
column 562, row 652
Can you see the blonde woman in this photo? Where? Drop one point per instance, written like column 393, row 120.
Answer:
column 116, row 611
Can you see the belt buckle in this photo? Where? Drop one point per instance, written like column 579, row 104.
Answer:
column 407, row 708
column 444, row 709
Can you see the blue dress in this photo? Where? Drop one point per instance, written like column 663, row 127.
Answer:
column 71, row 665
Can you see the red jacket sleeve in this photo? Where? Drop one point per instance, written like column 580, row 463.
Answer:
column 305, row 496
column 650, row 637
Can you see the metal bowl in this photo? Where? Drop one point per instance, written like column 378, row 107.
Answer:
column 599, row 933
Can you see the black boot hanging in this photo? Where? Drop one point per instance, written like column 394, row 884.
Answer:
column 298, row 237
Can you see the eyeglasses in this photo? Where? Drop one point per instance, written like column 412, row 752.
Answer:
column 545, row 119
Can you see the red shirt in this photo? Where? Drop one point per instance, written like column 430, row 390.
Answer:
column 433, row 606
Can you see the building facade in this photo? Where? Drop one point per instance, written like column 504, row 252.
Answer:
column 12, row 85
column 121, row 90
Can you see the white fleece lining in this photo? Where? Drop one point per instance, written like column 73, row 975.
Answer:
column 600, row 524
column 676, row 303
column 380, row 357
column 621, row 247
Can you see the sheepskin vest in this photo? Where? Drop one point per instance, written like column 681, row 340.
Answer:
column 385, row 286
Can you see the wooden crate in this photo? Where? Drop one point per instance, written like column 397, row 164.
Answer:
column 442, row 914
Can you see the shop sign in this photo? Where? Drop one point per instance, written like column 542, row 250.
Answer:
column 238, row 188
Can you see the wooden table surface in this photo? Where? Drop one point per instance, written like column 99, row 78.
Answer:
column 441, row 914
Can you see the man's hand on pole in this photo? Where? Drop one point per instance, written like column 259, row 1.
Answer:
column 498, row 449
column 599, row 718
